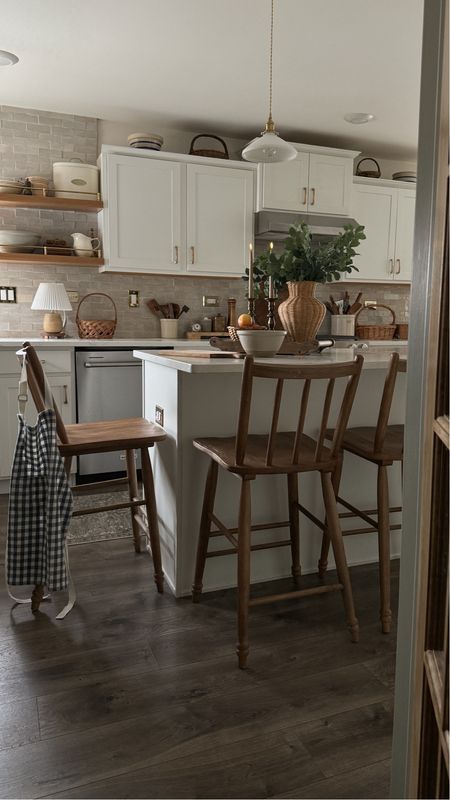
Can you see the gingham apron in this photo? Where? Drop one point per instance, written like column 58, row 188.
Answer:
column 40, row 505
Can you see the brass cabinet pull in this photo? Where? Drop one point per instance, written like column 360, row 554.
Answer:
column 304, row 196
column 397, row 261
column 391, row 266
column 313, row 196
column 66, row 399
column 175, row 258
column 192, row 254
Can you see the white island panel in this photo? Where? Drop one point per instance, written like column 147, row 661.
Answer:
column 201, row 398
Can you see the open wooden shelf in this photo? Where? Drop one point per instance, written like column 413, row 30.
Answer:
column 53, row 203
column 39, row 258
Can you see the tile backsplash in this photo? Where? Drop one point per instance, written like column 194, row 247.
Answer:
column 30, row 141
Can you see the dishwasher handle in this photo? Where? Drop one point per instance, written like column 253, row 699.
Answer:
column 108, row 364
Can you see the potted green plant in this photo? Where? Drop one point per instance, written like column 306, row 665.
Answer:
column 303, row 263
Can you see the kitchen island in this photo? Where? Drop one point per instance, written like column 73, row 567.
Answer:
column 200, row 397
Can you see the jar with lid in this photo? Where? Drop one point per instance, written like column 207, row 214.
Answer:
column 218, row 323
column 207, row 324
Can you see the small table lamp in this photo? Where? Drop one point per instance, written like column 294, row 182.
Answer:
column 52, row 298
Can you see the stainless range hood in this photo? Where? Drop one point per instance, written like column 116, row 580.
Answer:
column 275, row 225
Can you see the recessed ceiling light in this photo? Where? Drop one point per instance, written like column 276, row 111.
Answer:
column 357, row 118
column 7, row 59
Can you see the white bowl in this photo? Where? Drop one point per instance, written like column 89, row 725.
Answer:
column 18, row 237
column 261, row 344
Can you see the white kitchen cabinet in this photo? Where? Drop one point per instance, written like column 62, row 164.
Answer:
column 316, row 182
column 175, row 214
column 387, row 213
column 219, row 205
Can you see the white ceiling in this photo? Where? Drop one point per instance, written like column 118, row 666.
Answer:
column 203, row 65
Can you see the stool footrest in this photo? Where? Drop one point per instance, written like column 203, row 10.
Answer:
column 329, row 587
column 81, row 512
column 231, row 550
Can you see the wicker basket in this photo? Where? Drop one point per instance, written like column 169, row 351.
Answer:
column 96, row 328
column 208, row 153
column 368, row 173
column 375, row 331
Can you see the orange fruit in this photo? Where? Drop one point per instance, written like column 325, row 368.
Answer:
column 245, row 321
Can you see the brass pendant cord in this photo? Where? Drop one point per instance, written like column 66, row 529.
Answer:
column 270, row 124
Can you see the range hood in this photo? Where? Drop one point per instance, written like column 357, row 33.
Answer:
column 275, row 224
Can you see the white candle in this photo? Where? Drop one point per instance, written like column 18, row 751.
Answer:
column 271, row 294
column 250, row 271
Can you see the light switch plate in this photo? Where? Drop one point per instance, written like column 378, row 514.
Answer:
column 8, row 294
column 73, row 297
column 133, row 298
column 210, row 300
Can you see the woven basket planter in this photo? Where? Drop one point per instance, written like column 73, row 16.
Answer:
column 302, row 313
column 375, row 331
column 96, row 328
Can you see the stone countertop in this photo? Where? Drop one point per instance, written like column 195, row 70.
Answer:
column 102, row 344
column 376, row 359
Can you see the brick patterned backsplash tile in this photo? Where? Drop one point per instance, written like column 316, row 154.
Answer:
column 30, row 141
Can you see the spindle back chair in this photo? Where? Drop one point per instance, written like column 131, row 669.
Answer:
column 248, row 455
column 126, row 435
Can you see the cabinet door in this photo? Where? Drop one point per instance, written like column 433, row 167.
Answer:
column 61, row 388
column 375, row 208
column 285, row 186
column 404, row 235
column 219, row 219
column 142, row 217
column 330, row 184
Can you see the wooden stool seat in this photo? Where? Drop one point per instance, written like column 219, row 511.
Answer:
column 361, row 442
column 107, row 436
column 111, row 435
column 248, row 455
column 223, row 450
column 381, row 445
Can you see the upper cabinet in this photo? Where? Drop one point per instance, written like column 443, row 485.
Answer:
column 178, row 215
column 318, row 181
column 386, row 209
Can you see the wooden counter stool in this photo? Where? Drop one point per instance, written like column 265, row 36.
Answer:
column 382, row 445
column 278, row 453
column 103, row 437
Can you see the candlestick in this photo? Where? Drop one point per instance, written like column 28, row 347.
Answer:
column 271, row 294
column 250, row 271
column 271, row 313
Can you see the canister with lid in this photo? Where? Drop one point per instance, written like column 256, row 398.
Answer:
column 75, row 180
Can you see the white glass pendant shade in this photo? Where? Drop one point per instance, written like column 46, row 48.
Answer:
column 51, row 297
column 269, row 148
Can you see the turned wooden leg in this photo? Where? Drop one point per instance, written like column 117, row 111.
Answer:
column 384, row 549
column 152, row 517
column 205, row 529
column 337, row 543
column 323, row 560
column 292, row 481
column 36, row 597
column 244, row 543
column 133, row 492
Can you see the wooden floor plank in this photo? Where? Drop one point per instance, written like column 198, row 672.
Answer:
column 368, row 782
column 138, row 695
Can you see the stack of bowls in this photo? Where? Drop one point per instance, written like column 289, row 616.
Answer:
column 146, row 141
column 10, row 186
column 18, row 241
column 39, row 183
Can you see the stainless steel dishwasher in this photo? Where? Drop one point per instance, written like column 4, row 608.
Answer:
column 108, row 386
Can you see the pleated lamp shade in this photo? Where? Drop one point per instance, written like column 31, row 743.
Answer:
column 51, row 297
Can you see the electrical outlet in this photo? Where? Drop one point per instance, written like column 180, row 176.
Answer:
column 8, row 294
column 210, row 300
column 370, row 303
column 133, row 298
column 73, row 296
column 159, row 416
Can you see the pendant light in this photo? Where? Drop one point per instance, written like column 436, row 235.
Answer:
column 269, row 147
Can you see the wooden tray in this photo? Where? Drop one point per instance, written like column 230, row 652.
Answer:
column 206, row 334
column 200, row 354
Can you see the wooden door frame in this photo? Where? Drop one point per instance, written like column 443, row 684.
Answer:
column 421, row 385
